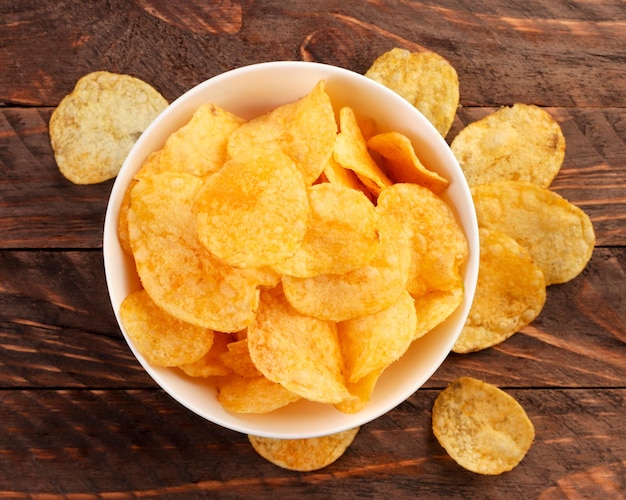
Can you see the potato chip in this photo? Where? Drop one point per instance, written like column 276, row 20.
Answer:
column 122, row 225
column 299, row 352
column 342, row 233
column 161, row 338
column 210, row 365
column 237, row 358
column 425, row 79
column 175, row 269
column 336, row 174
column 255, row 210
column 558, row 235
column 438, row 245
column 401, row 163
column 371, row 343
column 351, row 153
column 200, row 146
column 433, row 308
column 481, row 427
column 304, row 455
column 252, row 394
column 94, row 127
column 360, row 393
column 366, row 290
column 518, row 143
column 510, row 293
column 291, row 127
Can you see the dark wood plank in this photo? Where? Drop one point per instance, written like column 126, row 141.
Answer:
column 142, row 443
column 562, row 54
column 58, row 330
column 59, row 214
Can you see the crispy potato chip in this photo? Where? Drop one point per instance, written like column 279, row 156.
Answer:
column 291, row 127
column 175, row 269
column 210, row 364
column 401, row 163
column 558, row 235
column 371, row 343
column 510, row 293
column 299, row 352
column 369, row 289
column 481, row 427
column 237, row 358
column 252, row 394
column 94, row 127
column 351, row 153
column 255, row 210
column 518, row 143
column 438, row 245
column 342, row 233
column 336, row 174
column 161, row 338
column 200, row 146
column 360, row 393
column 433, row 308
column 304, row 455
column 425, row 79
column 122, row 225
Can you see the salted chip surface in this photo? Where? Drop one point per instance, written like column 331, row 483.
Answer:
column 510, row 293
column 433, row 308
column 371, row 343
column 175, row 268
column 210, row 365
column 299, row 352
column 558, row 235
column 401, row 163
column 291, row 127
column 253, row 394
column 366, row 290
column 94, row 127
column 425, row 79
column 163, row 339
column 438, row 244
column 304, row 455
column 482, row 428
column 255, row 210
column 237, row 358
column 520, row 142
column 341, row 236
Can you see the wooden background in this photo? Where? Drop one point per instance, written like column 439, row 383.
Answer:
column 78, row 416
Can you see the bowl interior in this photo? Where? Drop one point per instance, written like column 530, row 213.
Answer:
column 249, row 92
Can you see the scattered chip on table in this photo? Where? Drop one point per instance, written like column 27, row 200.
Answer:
column 482, row 428
column 519, row 143
column 304, row 455
column 510, row 293
column 94, row 127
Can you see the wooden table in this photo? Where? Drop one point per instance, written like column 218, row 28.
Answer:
column 80, row 419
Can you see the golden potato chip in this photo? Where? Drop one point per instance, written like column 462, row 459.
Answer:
column 94, row 127
column 252, row 394
column 304, row 455
column 161, row 338
column 122, row 223
column 342, row 233
column 518, row 143
column 434, row 308
column 210, row 364
column 401, row 163
column 438, row 245
column 481, row 427
column 237, row 358
column 292, row 128
column 371, row 343
column 558, row 235
column 336, row 174
column 351, row 152
column 200, row 146
column 510, row 293
column 366, row 290
column 255, row 210
column 360, row 393
column 299, row 352
column 175, row 269
column 425, row 79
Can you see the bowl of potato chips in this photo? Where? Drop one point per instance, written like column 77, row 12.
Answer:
column 291, row 249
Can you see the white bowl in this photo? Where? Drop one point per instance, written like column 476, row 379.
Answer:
column 248, row 92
